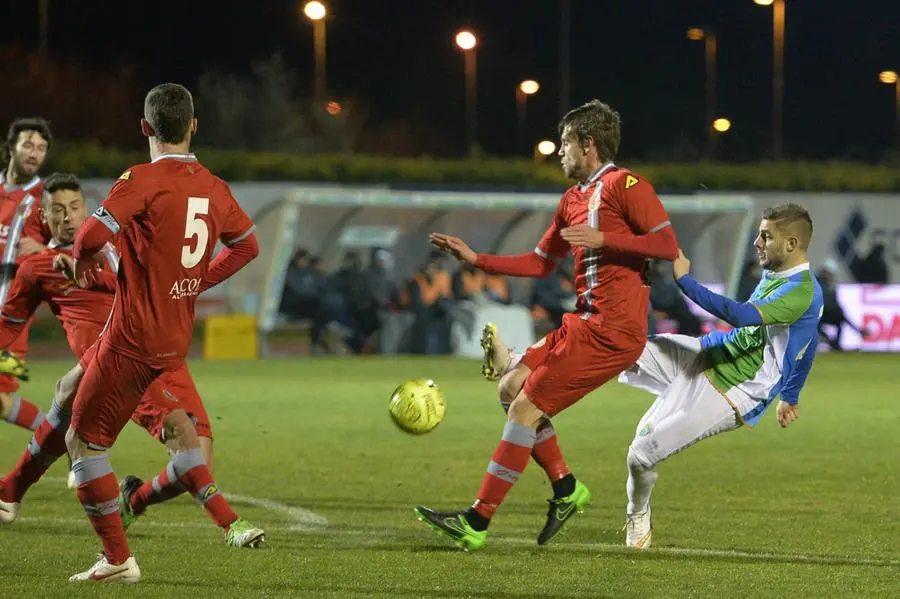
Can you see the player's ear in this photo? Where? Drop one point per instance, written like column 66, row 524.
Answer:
column 146, row 129
column 193, row 127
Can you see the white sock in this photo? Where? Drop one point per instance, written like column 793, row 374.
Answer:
column 514, row 360
column 641, row 480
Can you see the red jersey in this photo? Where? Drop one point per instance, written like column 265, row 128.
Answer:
column 168, row 216
column 82, row 312
column 610, row 281
column 611, row 284
column 10, row 198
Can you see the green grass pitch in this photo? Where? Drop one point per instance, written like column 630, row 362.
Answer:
column 811, row 511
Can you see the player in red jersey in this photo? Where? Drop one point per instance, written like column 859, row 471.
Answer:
column 21, row 234
column 613, row 222
column 171, row 409
column 168, row 215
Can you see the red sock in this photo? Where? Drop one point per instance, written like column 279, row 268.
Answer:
column 47, row 444
column 199, row 483
column 99, row 496
column 547, row 454
column 162, row 488
column 507, row 464
column 25, row 414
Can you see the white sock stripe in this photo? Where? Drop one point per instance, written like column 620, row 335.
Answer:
column 91, row 468
column 503, row 473
column 545, row 432
column 102, row 509
column 519, row 434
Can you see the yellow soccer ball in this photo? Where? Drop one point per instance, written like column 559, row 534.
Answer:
column 417, row 406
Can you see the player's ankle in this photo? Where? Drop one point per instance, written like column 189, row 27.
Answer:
column 476, row 520
column 564, row 486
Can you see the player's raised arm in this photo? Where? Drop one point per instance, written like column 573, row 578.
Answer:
column 550, row 250
column 737, row 314
column 24, row 299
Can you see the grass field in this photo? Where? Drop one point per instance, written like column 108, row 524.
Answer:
column 806, row 512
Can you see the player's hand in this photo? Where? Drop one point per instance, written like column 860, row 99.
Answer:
column 681, row 266
column 583, row 236
column 65, row 264
column 28, row 246
column 86, row 272
column 11, row 364
column 454, row 246
column 787, row 413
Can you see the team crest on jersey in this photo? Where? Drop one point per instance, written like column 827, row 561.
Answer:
column 630, row 181
column 125, row 176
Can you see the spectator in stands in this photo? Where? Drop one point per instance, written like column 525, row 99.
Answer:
column 428, row 296
column 306, row 297
column 873, row 268
column 832, row 312
column 553, row 296
column 478, row 286
column 360, row 310
column 665, row 296
column 386, row 299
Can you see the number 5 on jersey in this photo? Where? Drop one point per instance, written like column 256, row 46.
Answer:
column 195, row 227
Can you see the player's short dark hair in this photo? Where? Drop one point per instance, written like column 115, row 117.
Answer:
column 793, row 218
column 60, row 182
column 36, row 124
column 597, row 121
column 169, row 108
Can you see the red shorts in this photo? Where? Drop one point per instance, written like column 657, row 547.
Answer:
column 109, row 392
column 9, row 383
column 575, row 359
column 172, row 391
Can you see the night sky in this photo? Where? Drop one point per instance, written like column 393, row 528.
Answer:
column 398, row 58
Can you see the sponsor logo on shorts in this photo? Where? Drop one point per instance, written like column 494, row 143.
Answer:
column 645, row 430
column 188, row 287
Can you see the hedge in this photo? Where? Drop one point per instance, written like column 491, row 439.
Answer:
column 91, row 160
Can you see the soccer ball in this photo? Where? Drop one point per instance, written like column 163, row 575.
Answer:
column 417, row 406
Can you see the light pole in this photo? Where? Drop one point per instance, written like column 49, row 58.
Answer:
column 527, row 88
column 315, row 11
column 892, row 78
column 466, row 41
column 710, row 49
column 777, row 73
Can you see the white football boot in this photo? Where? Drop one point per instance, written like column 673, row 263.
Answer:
column 638, row 530
column 8, row 512
column 127, row 572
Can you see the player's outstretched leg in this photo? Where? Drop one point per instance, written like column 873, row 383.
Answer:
column 469, row 528
column 641, row 480
column 186, row 472
column 20, row 412
column 45, row 447
column 570, row 496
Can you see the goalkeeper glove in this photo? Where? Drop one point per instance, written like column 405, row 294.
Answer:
column 11, row 364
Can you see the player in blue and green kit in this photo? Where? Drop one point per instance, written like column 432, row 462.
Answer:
column 719, row 382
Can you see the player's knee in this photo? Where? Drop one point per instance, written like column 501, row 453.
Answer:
column 67, row 386
column 523, row 411
column 179, row 432
column 75, row 445
column 6, row 402
column 639, row 458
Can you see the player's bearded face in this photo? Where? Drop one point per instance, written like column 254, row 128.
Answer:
column 771, row 246
column 65, row 215
column 572, row 154
column 29, row 153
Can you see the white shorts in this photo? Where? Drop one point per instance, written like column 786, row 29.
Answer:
column 687, row 407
